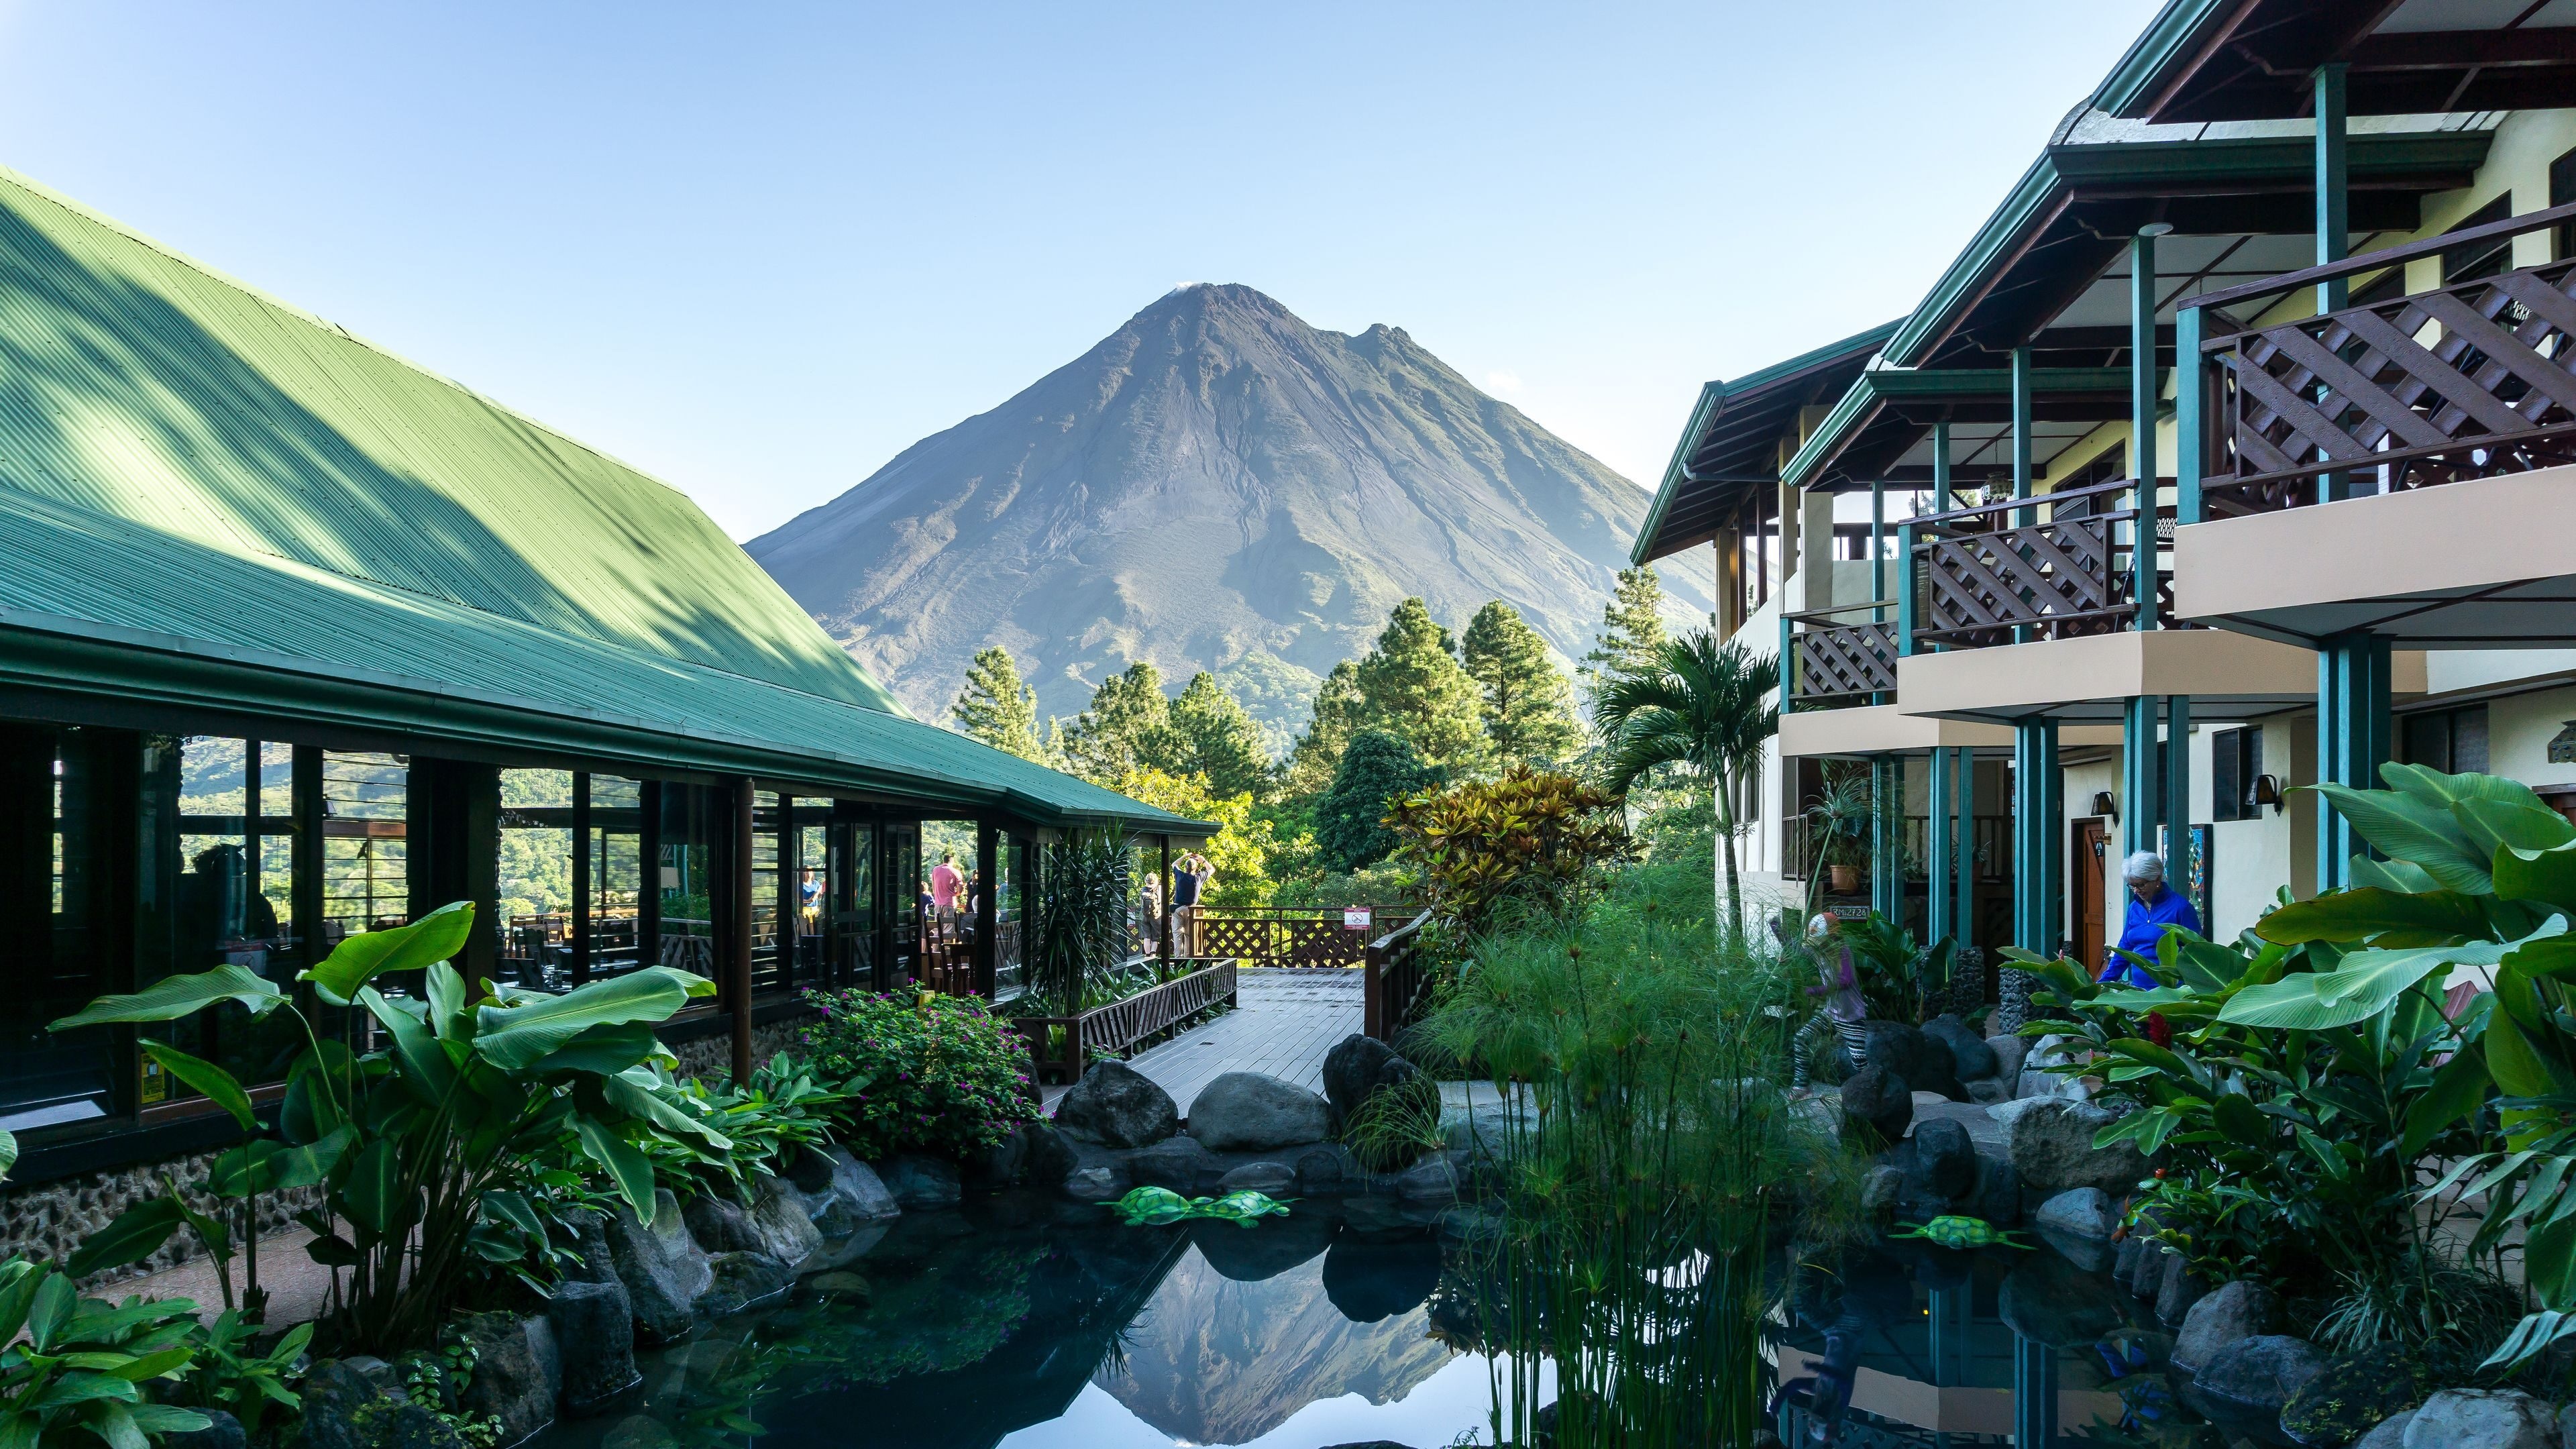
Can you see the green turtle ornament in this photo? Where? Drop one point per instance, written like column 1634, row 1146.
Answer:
column 1962, row 1233
column 1159, row 1206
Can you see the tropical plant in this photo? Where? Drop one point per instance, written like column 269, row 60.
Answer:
column 940, row 1075
column 235, row 1374
column 406, row 1139
column 1839, row 821
column 1703, row 707
column 1376, row 770
column 783, row 1111
column 1082, row 925
column 531, row 1235
column 1396, row 1125
column 1899, row 977
column 77, row 1368
column 1527, row 837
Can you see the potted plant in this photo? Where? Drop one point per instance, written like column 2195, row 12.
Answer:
column 1838, row 821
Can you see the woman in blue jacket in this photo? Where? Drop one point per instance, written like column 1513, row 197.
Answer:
column 2153, row 906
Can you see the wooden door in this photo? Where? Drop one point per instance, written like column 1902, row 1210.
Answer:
column 2092, row 841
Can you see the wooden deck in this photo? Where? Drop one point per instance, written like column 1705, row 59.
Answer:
column 1284, row 1022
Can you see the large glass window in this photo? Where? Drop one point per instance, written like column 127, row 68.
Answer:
column 809, row 884
column 769, row 956
column 694, row 821
column 1010, row 952
column 853, row 947
column 535, row 877
column 948, row 886
column 366, row 874
column 57, row 802
column 616, row 886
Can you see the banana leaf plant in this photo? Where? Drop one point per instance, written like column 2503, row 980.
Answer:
column 406, row 1141
column 75, row 1369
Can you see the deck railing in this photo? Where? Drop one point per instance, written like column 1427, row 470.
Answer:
column 1283, row 935
column 1842, row 655
column 2002, row 573
column 1061, row 1048
column 2470, row 379
column 1399, row 971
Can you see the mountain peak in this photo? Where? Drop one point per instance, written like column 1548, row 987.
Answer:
column 1216, row 485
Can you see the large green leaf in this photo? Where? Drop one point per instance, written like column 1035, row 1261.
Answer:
column 2547, row 876
column 2492, row 825
column 639, row 1093
column 2358, row 915
column 2390, row 875
column 365, row 956
column 2361, row 987
column 2406, row 828
column 214, row 1082
column 372, row 1194
column 446, row 992
column 605, row 1050
column 266, row 1165
column 2549, row 1264
column 130, row 1237
column 512, row 1037
column 626, row 1164
column 427, row 1069
column 174, row 997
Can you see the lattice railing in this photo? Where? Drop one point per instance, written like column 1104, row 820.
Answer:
column 1061, row 1047
column 1282, row 935
column 1841, row 661
column 1991, row 577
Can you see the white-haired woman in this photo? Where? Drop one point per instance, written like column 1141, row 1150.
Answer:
column 2153, row 906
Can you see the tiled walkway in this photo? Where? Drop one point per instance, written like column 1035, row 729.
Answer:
column 1283, row 1024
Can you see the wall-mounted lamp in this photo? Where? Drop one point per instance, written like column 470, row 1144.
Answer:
column 2105, row 806
column 2267, row 791
column 2156, row 228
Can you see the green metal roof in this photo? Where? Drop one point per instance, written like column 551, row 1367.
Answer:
column 2176, row 32
column 208, row 498
column 1731, row 440
column 1875, row 390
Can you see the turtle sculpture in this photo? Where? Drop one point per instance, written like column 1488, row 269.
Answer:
column 1157, row 1206
column 1962, row 1233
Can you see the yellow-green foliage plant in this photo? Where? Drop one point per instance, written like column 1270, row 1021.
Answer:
column 1527, row 836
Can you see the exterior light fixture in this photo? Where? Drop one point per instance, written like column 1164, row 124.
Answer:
column 2104, row 805
column 2268, row 791
column 2156, row 228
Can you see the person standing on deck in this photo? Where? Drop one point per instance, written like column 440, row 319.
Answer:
column 2153, row 906
column 945, row 882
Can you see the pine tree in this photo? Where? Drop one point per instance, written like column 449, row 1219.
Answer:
column 1215, row 737
column 1127, row 725
column 1528, row 703
column 1411, row 686
column 1318, row 751
column 1632, row 631
column 1350, row 819
column 997, row 707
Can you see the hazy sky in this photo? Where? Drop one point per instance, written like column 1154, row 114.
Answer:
column 757, row 249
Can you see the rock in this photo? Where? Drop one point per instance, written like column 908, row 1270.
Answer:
column 2052, row 1148
column 1182, row 1164
column 2261, row 1373
column 1370, row 1281
column 1050, row 1157
column 1250, row 1253
column 2013, row 987
column 1358, row 1066
column 1117, row 1106
column 1325, row 1171
column 222, row 1431
column 1879, row 1192
column 1001, row 1165
column 510, row 1381
column 2147, row 1272
column 1104, row 1183
column 719, row 1224
column 857, row 1184
column 2052, row 1301
column 594, row 1332
column 2083, row 1212
column 1277, row 1179
column 922, row 1182
column 2231, row 1313
column 662, row 1267
column 1433, row 1179
column 1998, row 1192
column 2179, row 1290
column 1988, row 1091
column 2354, row 1395
column 2391, row 1433
column 1971, row 1058
column 780, row 1225
column 1249, row 1112
column 2009, row 1052
column 737, row 1281
column 2483, row 1419
column 1880, row 1098
column 334, row 1394
column 1905, row 1051
column 1945, row 1162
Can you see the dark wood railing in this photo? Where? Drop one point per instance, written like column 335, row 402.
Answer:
column 1399, row 970
column 1991, row 576
column 2467, row 380
column 1286, row 936
column 1062, row 1047
column 1841, row 658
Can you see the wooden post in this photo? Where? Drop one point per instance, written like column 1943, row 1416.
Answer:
column 987, row 878
column 581, row 881
column 648, row 873
column 1166, row 931
column 739, row 968
column 304, row 890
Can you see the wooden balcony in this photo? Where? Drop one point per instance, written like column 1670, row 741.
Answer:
column 1842, row 656
column 2002, row 573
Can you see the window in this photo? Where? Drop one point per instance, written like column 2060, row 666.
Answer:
column 535, row 877
column 2235, row 761
column 58, row 794
column 213, row 819
column 2472, row 260
column 2453, row 741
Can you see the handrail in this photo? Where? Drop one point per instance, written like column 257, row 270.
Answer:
column 2064, row 495
column 2381, row 260
column 1809, row 616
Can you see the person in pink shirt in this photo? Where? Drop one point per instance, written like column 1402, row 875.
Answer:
column 945, row 883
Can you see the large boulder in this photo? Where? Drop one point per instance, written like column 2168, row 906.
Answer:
column 2261, row 1373
column 594, row 1333
column 781, row 1225
column 2086, row 1213
column 2047, row 1299
column 2230, row 1314
column 737, row 1281
column 1102, row 1182
column 1371, row 1280
column 340, row 1401
column 518, row 1373
column 1433, row 1179
column 1357, row 1067
column 857, row 1184
column 922, row 1182
column 1907, row 1052
column 2180, row 1289
column 1970, row 1056
column 1277, row 1179
column 2052, row 1148
column 2391, row 1433
column 2356, row 1394
column 1945, row 1161
column 2483, row 1419
column 663, row 1268
column 1050, row 1157
column 1249, row 1112
column 2009, row 1052
column 1117, row 1106
column 1182, row 1164
column 1881, row 1098
column 720, row 1224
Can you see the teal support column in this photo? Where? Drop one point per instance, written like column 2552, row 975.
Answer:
column 2177, row 790
column 2353, row 728
column 1887, row 837
column 2039, row 831
column 1965, row 822
column 2142, row 794
column 2334, row 215
column 1878, row 549
column 2034, row 1394
column 1941, row 841
column 2142, row 419
column 2191, row 414
column 2022, row 461
column 1788, row 661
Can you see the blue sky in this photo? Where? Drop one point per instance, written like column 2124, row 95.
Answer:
column 759, row 249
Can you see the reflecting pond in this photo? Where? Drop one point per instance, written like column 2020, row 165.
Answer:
column 1019, row 1321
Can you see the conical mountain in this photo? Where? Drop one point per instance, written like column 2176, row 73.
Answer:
column 1216, row 485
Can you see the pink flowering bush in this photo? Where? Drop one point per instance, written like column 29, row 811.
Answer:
column 948, row 1079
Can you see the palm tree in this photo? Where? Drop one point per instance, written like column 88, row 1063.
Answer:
column 1706, row 707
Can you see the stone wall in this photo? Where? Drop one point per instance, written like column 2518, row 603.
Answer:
column 50, row 1219
column 711, row 1057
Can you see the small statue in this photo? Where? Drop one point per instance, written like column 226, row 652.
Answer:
column 1962, row 1233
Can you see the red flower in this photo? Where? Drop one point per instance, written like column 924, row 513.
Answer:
column 2159, row 1030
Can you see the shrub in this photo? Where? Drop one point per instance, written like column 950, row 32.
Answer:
column 1528, row 836
column 1350, row 821
column 1082, row 923
column 942, row 1076
column 784, row 1110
